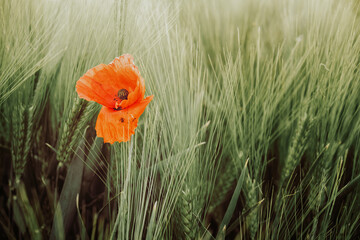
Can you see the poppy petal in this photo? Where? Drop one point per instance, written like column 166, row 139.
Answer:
column 103, row 82
column 134, row 96
column 93, row 86
column 113, row 125
column 127, row 74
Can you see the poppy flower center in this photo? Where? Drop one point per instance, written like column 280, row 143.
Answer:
column 123, row 94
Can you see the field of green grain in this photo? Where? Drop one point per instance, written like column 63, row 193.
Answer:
column 253, row 132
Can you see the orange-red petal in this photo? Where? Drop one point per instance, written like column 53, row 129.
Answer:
column 118, row 126
column 126, row 72
column 134, row 96
column 102, row 83
column 93, row 86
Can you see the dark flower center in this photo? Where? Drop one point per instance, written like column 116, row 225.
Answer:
column 123, row 94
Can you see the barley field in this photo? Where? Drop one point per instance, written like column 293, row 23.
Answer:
column 252, row 133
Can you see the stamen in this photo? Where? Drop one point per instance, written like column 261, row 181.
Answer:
column 123, row 94
column 117, row 106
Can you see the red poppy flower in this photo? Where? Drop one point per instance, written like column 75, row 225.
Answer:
column 120, row 89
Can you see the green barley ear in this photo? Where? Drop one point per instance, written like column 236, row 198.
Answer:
column 73, row 125
column 18, row 141
column 321, row 180
column 297, row 147
column 251, row 200
column 226, row 180
column 121, row 225
column 25, row 120
column 321, row 174
column 186, row 224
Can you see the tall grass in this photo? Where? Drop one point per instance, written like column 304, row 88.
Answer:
column 253, row 132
